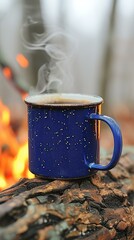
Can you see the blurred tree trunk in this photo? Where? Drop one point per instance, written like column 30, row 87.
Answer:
column 32, row 10
column 108, row 58
column 62, row 14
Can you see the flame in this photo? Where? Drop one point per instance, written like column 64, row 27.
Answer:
column 4, row 114
column 13, row 154
column 3, row 182
column 19, row 167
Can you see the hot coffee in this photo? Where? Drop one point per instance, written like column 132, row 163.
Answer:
column 63, row 100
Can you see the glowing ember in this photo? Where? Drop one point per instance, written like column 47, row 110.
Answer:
column 22, row 60
column 7, row 72
column 13, row 154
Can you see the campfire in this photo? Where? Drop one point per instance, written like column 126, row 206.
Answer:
column 13, row 151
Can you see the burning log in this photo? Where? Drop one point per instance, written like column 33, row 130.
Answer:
column 101, row 207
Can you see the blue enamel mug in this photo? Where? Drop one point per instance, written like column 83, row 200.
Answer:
column 64, row 135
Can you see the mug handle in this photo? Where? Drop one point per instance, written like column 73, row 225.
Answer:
column 117, row 142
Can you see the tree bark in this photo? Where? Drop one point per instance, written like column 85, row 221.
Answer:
column 97, row 208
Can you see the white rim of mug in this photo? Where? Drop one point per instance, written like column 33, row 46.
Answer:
column 50, row 97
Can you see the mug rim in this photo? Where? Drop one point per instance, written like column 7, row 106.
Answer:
column 88, row 100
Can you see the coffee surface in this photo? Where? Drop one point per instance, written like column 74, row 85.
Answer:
column 63, row 102
column 63, row 99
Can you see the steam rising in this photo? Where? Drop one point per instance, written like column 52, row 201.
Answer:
column 54, row 75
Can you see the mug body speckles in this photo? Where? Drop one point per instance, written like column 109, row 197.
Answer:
column 63, row 140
